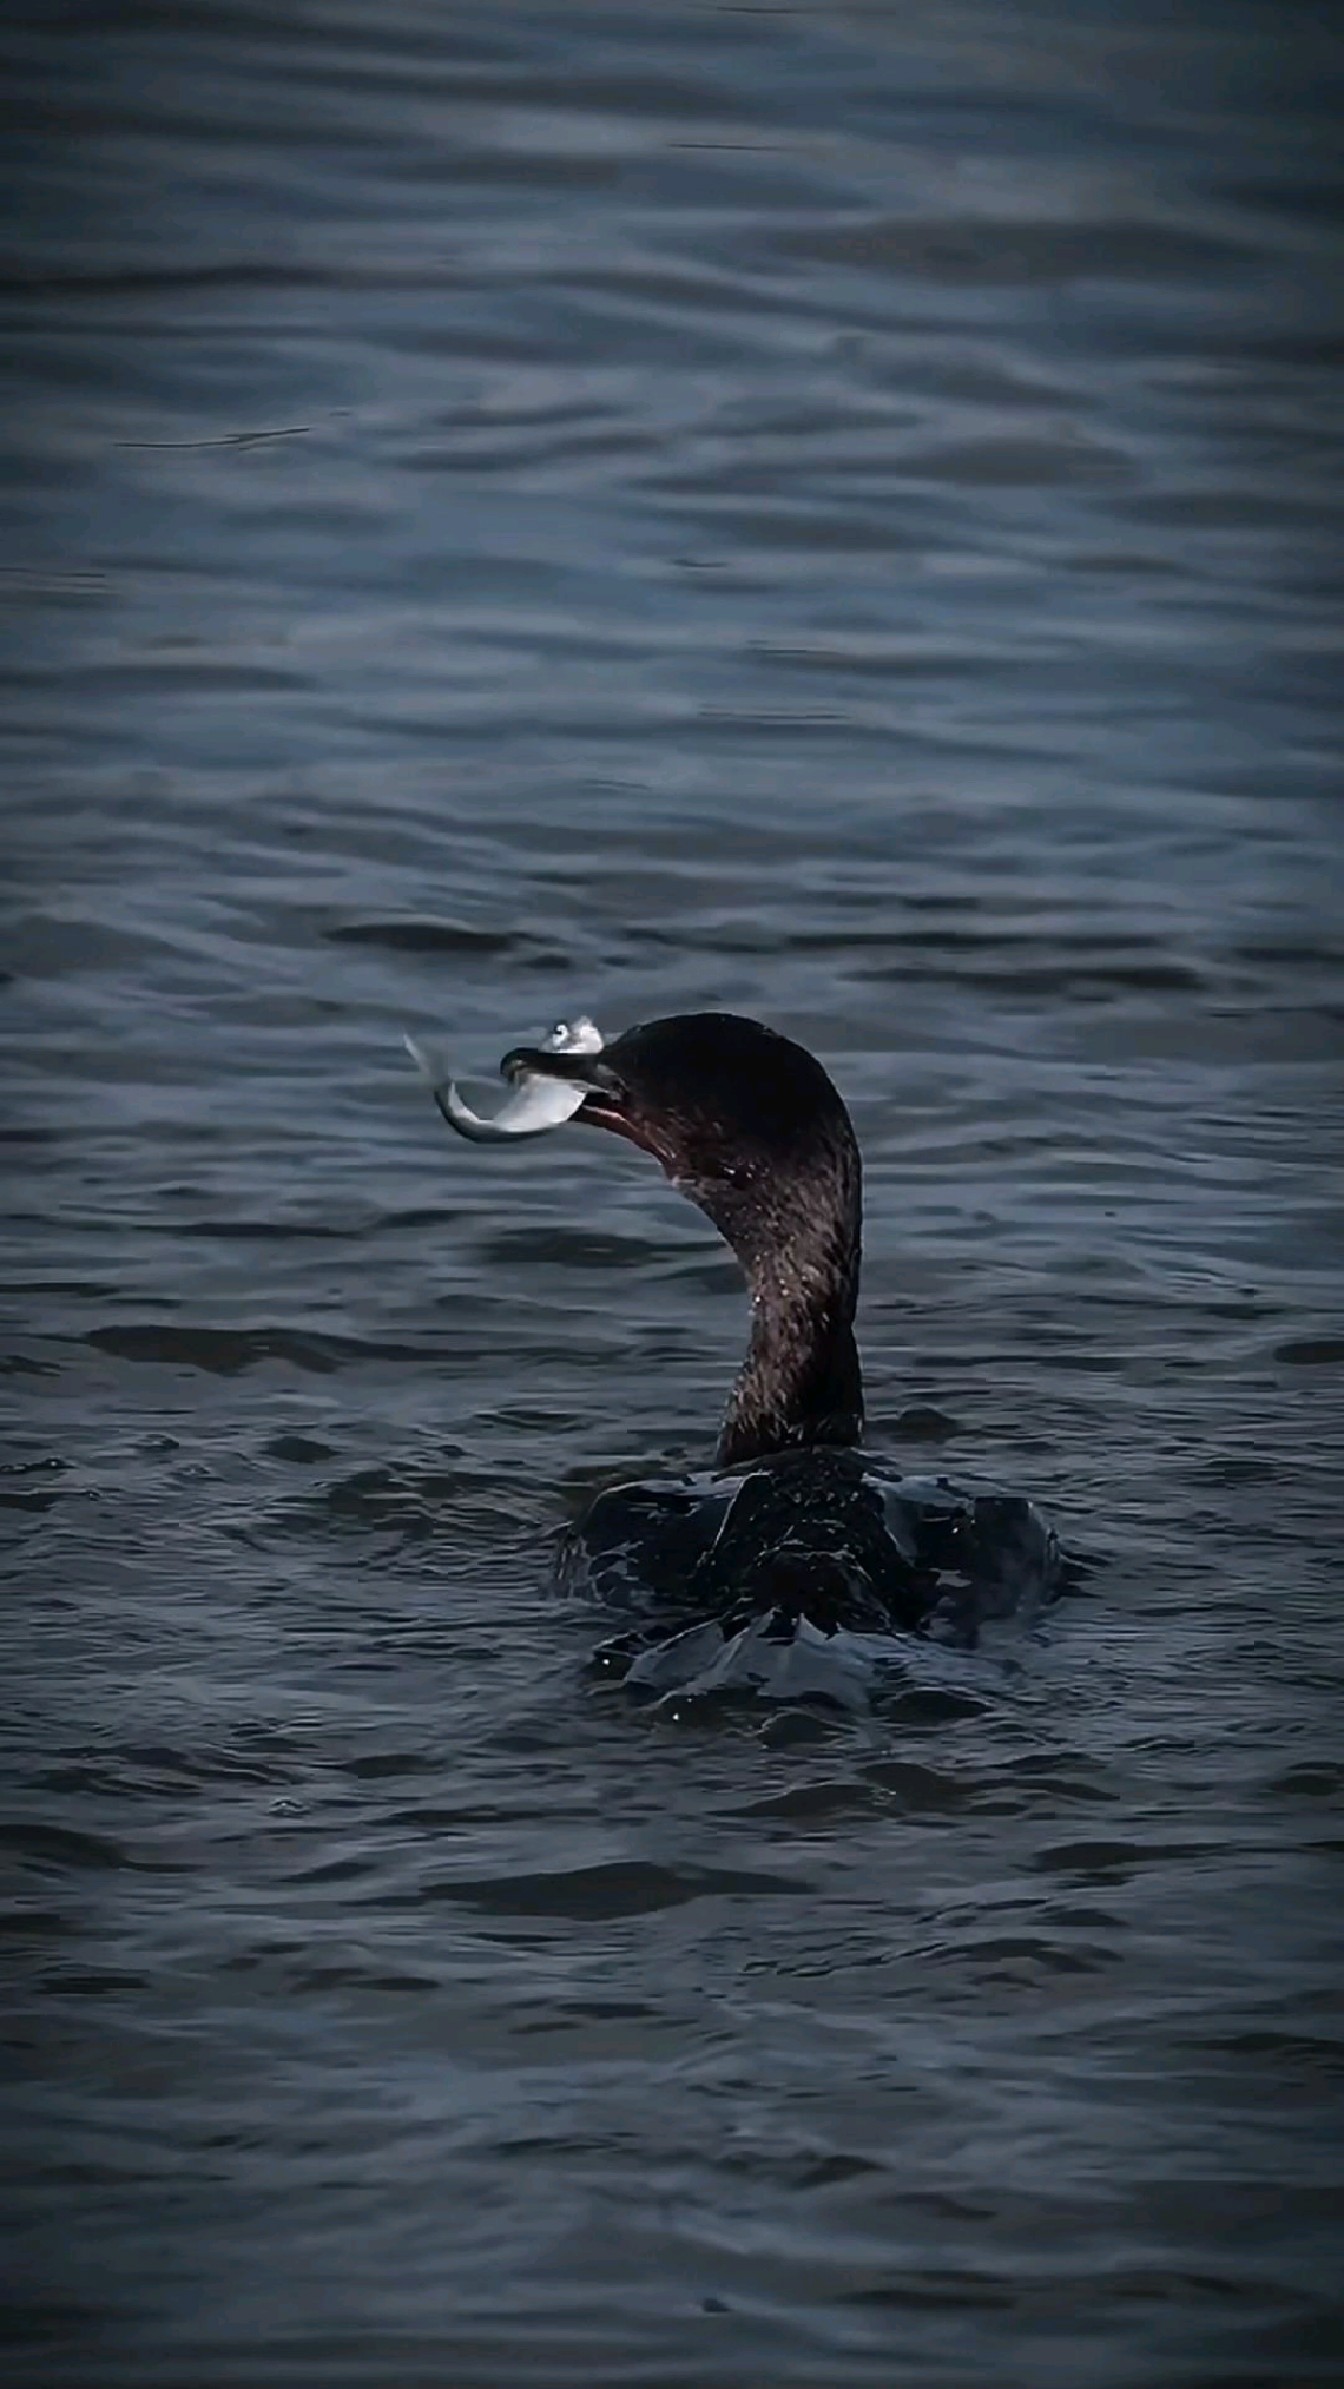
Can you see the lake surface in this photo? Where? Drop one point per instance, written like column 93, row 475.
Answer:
column 832, row 512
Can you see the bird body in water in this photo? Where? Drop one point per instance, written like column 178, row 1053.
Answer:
column 796, row 1527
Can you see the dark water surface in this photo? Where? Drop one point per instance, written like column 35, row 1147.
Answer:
column 833, row 512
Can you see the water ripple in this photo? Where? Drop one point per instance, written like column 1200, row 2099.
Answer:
column 833, row 514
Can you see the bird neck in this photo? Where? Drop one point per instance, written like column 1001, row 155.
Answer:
column 801, row 1382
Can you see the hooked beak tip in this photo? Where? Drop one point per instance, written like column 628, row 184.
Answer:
column 565, row 1069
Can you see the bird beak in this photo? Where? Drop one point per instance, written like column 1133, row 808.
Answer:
column 541, row 1097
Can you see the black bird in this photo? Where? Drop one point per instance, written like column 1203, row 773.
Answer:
column 796, row 1522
